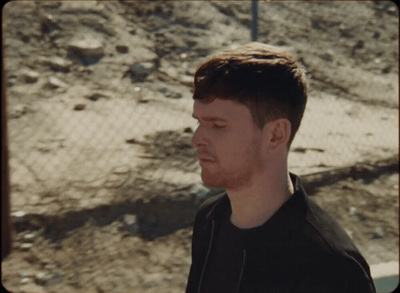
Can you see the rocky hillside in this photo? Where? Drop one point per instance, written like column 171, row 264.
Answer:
column 349, row 49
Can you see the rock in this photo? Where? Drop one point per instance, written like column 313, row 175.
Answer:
column 54, row 83
column 122, row 49
column 18, row 217
column 25, row 280
column 378, row 233
column 130, row 223
column 29, row 288
column 19, row 111
column 352, row 211
column 132, row 141
column 79, row 107
column 54, row 278
column 359, row 45
column 41, row 278
column 142, row 70
column 26, row 246
column 50, row 267
column 18, row 214
column 26, row 274
column 87, row 50
column 59, row 64
column 327, row 57
column 29, row 238
column 170, row 93
column 173, row 95
column 346, row 32
column 12, row 79
column 169, row 70
column 48, row 24
column 29, row 76
column 96, row 96
column 81, row 6
column 386, row 69
column 45, row 261
column 376, row 35
column 186, row 79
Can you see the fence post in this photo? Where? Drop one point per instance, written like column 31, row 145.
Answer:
column 254, row 20
column 5, row 183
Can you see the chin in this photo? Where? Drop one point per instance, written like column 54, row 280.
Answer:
column 212, row 181
column 225, row 180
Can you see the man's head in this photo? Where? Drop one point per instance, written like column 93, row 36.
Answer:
column 264, row 78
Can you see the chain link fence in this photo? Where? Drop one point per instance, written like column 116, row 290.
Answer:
column 115, row 132
column 83, row 134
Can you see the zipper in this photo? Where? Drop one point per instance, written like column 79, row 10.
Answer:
column 207, row 255
column 241, row 271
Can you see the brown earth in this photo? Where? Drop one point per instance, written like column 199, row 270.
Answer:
column 104, row 182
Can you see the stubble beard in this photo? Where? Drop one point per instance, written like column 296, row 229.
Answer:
column 237, row 176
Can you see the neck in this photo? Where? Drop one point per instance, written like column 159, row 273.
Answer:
column 254, row 204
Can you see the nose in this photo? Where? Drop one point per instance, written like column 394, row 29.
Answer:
column 198, row 138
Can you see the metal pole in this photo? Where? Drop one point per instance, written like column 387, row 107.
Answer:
column 254, row 13
column 6, row 225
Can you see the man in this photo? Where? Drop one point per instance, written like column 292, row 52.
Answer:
column 264, row 234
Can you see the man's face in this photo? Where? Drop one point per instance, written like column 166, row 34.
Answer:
column 228, row 143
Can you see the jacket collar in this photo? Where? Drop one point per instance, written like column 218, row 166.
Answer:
column 295, row 205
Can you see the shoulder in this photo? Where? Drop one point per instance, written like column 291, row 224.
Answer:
column 334, row 257
column 320, row 227
column 325, row 231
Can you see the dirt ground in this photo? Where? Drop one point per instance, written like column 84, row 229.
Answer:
column 104, row 182
column 109, row 258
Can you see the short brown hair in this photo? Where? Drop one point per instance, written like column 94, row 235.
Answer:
column 266, row 79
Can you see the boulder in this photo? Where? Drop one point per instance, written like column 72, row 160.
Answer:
column 141, row 70
column 87, row 50
column 54, row 83
column 29, row 76
column 59, row 64
column 122, row 49
column 130, row 223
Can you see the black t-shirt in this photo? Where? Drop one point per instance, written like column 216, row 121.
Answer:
column 299, row 249
column 225, row 263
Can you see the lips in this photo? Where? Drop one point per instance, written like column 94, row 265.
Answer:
column 205, row 158
column 205, row 163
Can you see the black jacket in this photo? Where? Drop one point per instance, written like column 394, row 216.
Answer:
column 299, row 249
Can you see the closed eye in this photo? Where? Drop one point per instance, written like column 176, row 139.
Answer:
column 211, row 121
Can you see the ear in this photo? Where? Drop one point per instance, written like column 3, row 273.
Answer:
column 277, row 133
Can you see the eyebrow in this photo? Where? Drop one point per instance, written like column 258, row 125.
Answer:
column 210, row 118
